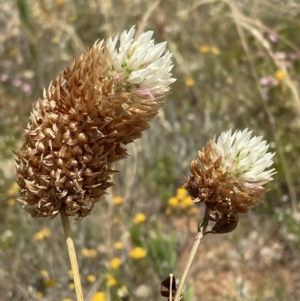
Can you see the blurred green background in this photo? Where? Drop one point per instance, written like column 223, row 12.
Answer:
column 237, row 65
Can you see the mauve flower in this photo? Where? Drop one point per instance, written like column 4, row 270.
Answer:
column 3, row 77
column 272, row 37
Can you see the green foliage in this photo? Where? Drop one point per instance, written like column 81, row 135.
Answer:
column 162, row 252
column 289, row 225
column 159, row 174
column 136, row 236
column 281, row 291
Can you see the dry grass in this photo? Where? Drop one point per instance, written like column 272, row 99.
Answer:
column 237, row 65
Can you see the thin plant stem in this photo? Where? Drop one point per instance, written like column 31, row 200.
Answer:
column 197, row 242
column 72, row 255
column 171, row 285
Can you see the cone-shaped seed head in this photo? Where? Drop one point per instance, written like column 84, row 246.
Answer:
column 228, row 175
column 76, row 131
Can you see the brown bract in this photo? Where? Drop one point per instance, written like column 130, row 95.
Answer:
column 75, row 134
column 222, row 192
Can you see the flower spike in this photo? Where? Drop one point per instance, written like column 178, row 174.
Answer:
column 228, row 176
column 102, row 101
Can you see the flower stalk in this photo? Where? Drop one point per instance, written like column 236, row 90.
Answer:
column 72, row 255
column 198, row 239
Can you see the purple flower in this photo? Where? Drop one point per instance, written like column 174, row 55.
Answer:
column 272, row 37
column 3, row 77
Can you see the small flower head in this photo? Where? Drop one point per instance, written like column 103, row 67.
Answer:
column 115, row 263
column 91, row 278
column 110, row 280
column 279, row 75
column 118, row 200
column 139, row 218
column 181, row 193
column 189, row 82
column 101, row 102
column 229, row 174
column 42, row 234
column 173, row 202
column 88, row 253
column 71, row 286
column 13, row 189
column 215, row 50
column 99, row 296
column 138, row 253
column 118, row 245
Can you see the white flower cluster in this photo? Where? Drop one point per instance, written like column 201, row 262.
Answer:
column 245, row 158
column 139, row 66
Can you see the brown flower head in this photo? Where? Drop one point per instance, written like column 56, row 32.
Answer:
column 228, row 176
column 102, row 101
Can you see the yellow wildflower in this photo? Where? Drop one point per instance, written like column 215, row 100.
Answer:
column 42, row 234
column 71, row 286
column 137, row 253
column 39, row 295
column 215, row 50
column 66, row 299
column 118, row 245
column 181, row 193
column 118, row 200
column 70, row 273
column 279, row 74
column 11, row 202
column 111, row 281
column 45, row 273
column 13, row 189
column 173, row 202
column 91, row 278
column 189, row 201
column 115, row 263
column 49, row 282
column 99, row 296
column 189, row 82
column 204, row 48
column 88, row 253
column 183, row 205
column 139, row 218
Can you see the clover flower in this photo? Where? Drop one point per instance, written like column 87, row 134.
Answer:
column 101, row 102
column 228, row 176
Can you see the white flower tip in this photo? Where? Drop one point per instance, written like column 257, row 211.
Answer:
column 245, row 157
column 143, row 65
